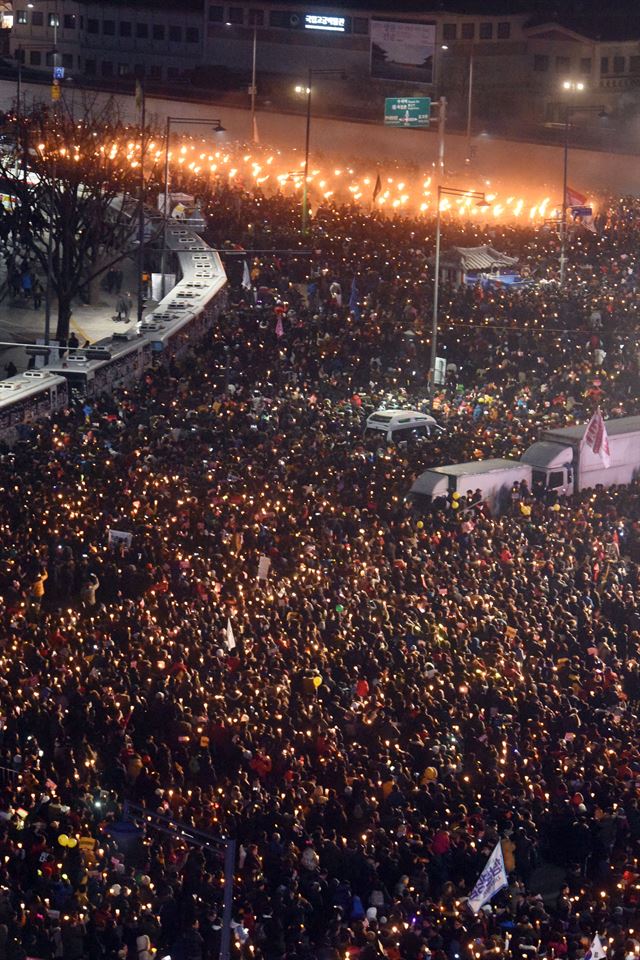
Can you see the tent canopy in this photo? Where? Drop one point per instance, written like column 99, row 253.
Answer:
column 475, row 258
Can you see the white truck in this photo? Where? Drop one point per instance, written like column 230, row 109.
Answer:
column 493, row 479
column 557, row 461
column 560, row 461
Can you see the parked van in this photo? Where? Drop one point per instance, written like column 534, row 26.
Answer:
column 398, row 425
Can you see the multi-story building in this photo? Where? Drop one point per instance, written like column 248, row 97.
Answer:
column 515, row 66
column 110, row 39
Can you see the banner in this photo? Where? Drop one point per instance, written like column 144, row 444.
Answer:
column 229, row 640
column 403, row 50
column 116, row 537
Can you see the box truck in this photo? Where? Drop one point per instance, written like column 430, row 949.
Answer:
column 557, row 461
column 560, row 461
column 493, row 478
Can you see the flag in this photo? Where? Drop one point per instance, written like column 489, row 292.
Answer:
column 596, row 950
column 279, row 328
column 246, row 277
column 377, row 188
column 574, row 199
column 229, row 639
column 595, row 437
column 354, row 306
column 492, row 879
column 139, row 95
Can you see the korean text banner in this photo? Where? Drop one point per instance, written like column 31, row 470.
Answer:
column 403, row 50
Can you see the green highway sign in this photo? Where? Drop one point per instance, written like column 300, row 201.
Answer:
column 407, row 111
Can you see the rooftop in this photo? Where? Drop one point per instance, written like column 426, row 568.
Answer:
column 614, row 429
column 475, row 467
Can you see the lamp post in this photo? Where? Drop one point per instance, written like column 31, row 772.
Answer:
column 217, row 128
column 470, row 68
column 254, row 125
column 570, row 86
column 307, row 91
column 307, row 136
column 19, row 54
column 481, row 201
column 140, row 96
column 469, row 103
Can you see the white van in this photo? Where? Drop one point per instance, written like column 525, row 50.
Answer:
column 398, row 425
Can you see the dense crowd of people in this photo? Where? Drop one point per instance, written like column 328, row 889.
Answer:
column 218, row 603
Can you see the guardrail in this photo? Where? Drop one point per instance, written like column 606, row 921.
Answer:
column 182, row 317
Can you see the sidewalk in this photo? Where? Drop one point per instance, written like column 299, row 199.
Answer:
column 20, row 322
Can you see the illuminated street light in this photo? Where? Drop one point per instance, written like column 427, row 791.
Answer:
column 572, row 86
column 306, row 91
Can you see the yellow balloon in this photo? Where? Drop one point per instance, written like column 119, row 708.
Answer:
column 72, row 842
column 63, row 840
column 455, row 505
column 455, row 495
column 317, row 681
column 419, row 524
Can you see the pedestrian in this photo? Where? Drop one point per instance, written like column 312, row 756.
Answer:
column 36, row 589
column 27, row 284
column 11, row 369
column 122, row 309
column 36, row 293
column 89, row 590
column 13, row 279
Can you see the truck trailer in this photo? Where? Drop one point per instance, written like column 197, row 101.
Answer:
column 493, row 479
column 558, row 461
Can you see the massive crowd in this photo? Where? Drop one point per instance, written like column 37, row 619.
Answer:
column 398, row 690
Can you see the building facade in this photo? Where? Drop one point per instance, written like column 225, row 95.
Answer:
column 516, row 68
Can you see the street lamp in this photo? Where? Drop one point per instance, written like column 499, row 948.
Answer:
column 444, row 47
column 306, row 90
column 481, row 201
column 254, row 123
column 217, row 128
column 572, row 87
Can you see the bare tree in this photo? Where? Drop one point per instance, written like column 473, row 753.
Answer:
column 76, row 184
